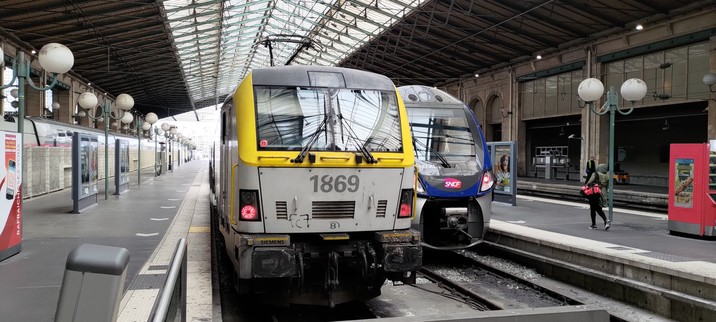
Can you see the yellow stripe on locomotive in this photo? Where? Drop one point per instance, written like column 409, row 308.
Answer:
column 250, row 154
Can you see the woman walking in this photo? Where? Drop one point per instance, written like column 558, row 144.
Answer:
column 597, row 201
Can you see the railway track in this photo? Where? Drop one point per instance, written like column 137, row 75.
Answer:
column 465, row 281
column 447, row 280
column 487, row 288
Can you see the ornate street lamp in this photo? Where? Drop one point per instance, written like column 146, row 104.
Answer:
column 172, row 137
column 590, row 90
column 149, row 120
column 54, row 58
column 124, row 102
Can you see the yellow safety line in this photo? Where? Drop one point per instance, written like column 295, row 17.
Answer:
column 199, row 229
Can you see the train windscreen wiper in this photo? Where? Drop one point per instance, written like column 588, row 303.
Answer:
column 442, row 159
column 361, row 147
column 311, row 141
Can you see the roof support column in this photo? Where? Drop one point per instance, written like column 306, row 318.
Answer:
column 595, row 128
column 64, row 98
column 34, row 100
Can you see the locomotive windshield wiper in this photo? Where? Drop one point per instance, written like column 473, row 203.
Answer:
column 443, row 161
column 361, row 147
column 311, row 141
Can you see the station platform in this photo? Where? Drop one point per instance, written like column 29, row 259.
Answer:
column 674, row 274
column 148, row 220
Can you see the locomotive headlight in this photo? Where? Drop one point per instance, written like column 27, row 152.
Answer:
column 420, row 188
column 488, row 180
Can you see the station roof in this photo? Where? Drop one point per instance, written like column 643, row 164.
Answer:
column 174, row 56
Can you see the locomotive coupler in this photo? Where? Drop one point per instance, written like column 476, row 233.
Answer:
column 300, row 270
column 332, row 277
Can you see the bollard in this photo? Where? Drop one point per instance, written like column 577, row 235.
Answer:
column 93, row 283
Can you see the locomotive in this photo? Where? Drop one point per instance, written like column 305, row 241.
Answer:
column 315, row 186
column 455, row 178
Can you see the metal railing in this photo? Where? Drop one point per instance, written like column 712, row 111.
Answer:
column 170, row 305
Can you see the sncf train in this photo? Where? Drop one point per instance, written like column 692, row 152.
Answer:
column 316, row 186
column 45, row 132
column 455, row 177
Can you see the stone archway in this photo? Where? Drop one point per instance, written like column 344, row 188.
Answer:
column 478, row 108
column 493, row 119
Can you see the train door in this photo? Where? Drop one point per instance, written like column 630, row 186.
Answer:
column 225, row 164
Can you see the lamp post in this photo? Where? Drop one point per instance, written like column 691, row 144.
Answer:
column 124, row 102
column 172, row 136
column 157, row 165
column 590, row 90
column 149, row 120
column 190, row 148
column 165, row 128
column 180, row 147
column 54, row 58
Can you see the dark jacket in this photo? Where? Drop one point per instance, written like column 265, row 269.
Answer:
column 602, row 178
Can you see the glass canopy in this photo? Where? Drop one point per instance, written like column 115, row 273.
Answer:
column 220, row 41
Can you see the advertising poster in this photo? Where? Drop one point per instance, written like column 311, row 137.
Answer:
column 684, row 183
column 85, row 173
column 10, row 187
column 124, row 162
column 121, row 166
column 88, row 166
column 502, row 168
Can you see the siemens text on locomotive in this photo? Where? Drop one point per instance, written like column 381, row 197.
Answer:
column 455, row 177
column 316, row 185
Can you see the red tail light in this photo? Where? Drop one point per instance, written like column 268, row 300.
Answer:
column 249, row 205
column 405, row 210
column 406, row 203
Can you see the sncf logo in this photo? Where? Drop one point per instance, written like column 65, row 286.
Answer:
column 451, row 183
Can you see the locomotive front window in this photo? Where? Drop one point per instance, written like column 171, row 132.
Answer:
column 442, row 134
column 340, row 119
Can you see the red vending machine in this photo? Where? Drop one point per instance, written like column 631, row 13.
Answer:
column 692, row 189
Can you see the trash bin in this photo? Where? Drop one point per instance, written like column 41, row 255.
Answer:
column 93, row 283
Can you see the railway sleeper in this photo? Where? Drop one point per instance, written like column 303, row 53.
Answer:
column 668, row 302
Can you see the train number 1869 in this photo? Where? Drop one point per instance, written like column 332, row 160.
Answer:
column 339, row 183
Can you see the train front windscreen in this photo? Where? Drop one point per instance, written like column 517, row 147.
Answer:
column 444, row 138
column 327, row 119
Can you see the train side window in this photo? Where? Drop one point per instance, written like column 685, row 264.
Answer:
column 223, row 127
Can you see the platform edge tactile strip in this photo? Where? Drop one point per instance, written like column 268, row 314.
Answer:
column 137, row 302
column 667, row 257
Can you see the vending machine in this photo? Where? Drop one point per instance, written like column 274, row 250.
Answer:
column 692, row 189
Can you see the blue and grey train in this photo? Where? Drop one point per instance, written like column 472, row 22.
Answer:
column 454, row 202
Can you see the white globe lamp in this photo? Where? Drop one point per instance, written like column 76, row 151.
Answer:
column 87, row 100
column 125, row 102
column 151, row 118
column 56, row 58
column 590, row 89
column 633, row 89
column 127, row 118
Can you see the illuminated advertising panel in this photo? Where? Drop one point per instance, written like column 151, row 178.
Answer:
column 11, row 187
